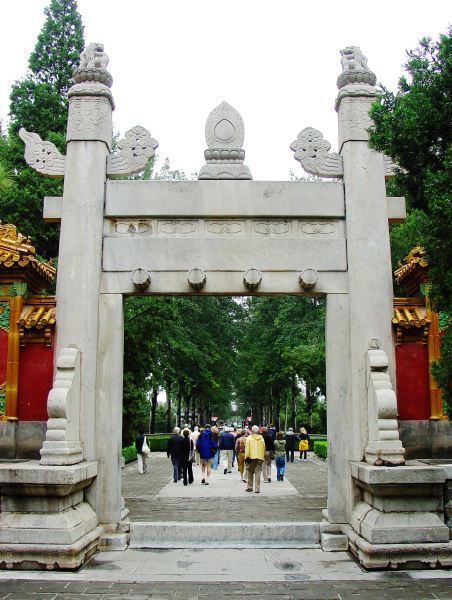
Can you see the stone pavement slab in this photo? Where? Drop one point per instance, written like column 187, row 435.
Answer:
column 223, row 485
column 153, row 497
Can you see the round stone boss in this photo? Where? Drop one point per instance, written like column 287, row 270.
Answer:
column 308, row 278
column 140, row 278
column 196, row 278
column 252, row 278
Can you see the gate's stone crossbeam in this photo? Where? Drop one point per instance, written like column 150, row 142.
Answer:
column 224, row 228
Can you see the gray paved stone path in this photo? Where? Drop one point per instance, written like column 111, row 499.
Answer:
column 386, row 588
column 153, row 496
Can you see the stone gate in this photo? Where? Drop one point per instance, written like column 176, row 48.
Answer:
column 222, row 234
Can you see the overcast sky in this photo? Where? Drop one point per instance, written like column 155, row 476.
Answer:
column 173, row 61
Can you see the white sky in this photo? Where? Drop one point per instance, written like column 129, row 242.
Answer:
column 173, row 61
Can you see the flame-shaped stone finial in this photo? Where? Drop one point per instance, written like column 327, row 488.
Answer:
column 224, row 136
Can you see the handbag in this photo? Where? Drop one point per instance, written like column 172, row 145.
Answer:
column 145, row 448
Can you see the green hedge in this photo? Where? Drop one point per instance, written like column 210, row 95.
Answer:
column 316, row 437
column 321, row 448
column 129, row 453
column 157, row 441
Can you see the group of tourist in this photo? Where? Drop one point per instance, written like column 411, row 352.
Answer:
column 253, row 450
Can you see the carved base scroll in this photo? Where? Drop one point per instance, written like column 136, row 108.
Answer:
column 62, row 445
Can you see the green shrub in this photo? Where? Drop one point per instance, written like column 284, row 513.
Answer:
column 316, row 437
column 321, row 448
column 129, row 453
column 157, row 441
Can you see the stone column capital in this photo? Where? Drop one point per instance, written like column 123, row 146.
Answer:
column 90, row 99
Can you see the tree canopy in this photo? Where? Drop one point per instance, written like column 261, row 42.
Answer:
column 39, row 103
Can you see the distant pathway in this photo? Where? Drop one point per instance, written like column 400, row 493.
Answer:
column 153, row 496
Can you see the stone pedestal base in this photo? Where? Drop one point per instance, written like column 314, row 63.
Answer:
column 45, row 520
column 332, row 538
column 394, row 556
column 399, row 518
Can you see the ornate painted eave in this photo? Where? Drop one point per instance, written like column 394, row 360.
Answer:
column 410, row 320
column 18, row 256
column 413, row 271
column 37, row 320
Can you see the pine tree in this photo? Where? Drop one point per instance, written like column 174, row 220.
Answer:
column 39, row 103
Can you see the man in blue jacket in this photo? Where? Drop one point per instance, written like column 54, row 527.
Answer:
column 227, row 442
column 206, row 446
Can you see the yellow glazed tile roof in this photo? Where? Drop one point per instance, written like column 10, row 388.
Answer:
column 16, row 251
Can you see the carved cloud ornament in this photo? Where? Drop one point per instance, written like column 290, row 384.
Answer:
column 135, row 150
column 313, row 153
column 42, row 156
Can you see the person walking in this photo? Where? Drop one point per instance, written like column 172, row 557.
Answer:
column 194, row 437
column 280, row 456
column 141, row 456
column 207, row 446
column 188, row 457
column 269, row 454
column 272, row 431
column 174, row 450
column 290, row 444
column 226, row 445
column 303, row 446
column 240, row 453
column 254, row 455
column 216, row 458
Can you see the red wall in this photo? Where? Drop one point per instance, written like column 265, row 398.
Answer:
column 3, row 354
column 413, row 390
column 35, row 381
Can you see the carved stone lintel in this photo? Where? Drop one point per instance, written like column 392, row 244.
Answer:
column 384, row 446
column 135, row 150
column 196, row 279
column 313, row 153
column 62, row 445
column 252, row 278
column 42, row 156
column 224, row 136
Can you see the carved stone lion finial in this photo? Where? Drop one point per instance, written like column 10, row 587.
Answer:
column 354, row 68
column 93, row 66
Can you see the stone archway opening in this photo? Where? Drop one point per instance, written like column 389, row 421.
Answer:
column 158, row 510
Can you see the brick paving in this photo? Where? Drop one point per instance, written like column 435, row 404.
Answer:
column 392, row 586
column 140, row 495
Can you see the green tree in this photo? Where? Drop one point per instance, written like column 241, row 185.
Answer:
column 39, row 103
column 413, row 126
column 281, row 353
column 6, row 181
